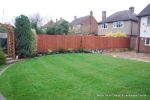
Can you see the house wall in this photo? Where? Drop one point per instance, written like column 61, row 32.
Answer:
column 135, row 28
column 88, row 26
column 142, row 47
column 144, row 33
column 144, row 28
column 125, row 29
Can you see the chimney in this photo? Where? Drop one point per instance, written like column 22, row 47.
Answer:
column 91, row 13
column 60, row 18
column 131, row 9
column 56, row 20
column 103, row 15
column 75, row 17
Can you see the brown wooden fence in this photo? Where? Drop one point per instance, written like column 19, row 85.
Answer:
column 55, row 42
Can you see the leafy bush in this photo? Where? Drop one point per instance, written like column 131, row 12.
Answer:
column 117, row 34
column 50, row 31
column 40, row 31
column 81, row 50
column 61, row 50
column 70, row 50
column 34, row 44
column 2, row 57
column 50, row 51
column 24, row 37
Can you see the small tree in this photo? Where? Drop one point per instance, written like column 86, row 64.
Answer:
column 36, row 22
column 62, row 27
column 23, row 36
column 51, row 30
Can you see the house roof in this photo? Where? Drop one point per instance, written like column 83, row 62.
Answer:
column 121, row 16
column 79, row 20
column 145, row 11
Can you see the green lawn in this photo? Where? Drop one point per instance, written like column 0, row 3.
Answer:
column 76, row 77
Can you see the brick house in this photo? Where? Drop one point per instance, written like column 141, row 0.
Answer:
column 144, row 34
column 125, row 21
column 84, row 25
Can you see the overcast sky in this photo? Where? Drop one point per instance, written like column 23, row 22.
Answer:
column 67, row 9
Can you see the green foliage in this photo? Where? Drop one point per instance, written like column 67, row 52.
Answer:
column 70, row 50
column 81, row 50
column 34, row 40
column 2, row 57
column 117, row 34
column 62, row 27
column 23, row 36
column 36, row 21
column 40, row 31
column 61, row 50
column 3, row 30
column 51, row 30
column 50, row 51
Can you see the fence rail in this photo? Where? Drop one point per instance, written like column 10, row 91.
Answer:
column 55, row 42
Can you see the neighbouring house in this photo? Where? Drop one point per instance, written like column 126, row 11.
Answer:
column 84, row 25
column 125, row 21
column 144, row 34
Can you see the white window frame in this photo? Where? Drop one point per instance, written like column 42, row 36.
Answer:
column 147, row 39
column 104, row 26
column 118, row 24
column 148, row 19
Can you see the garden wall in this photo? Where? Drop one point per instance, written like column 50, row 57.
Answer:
column 55, row 42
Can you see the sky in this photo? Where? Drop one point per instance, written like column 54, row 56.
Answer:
column 67, row 9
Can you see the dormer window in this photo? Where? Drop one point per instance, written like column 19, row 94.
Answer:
column 118, row 24
column 148, row 20
column 104, row 26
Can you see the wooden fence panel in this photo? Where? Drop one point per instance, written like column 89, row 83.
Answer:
column 55, row 42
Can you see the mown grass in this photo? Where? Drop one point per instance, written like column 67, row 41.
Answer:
column 76, row 77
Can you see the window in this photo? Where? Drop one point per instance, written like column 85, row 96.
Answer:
column 118, row 24
column 148, row 20
column 104, row 25
column 147, row 41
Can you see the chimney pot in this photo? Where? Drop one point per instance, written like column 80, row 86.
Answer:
column 91, row 13
column 103, row 15
column 131, row 9
column 75, row 17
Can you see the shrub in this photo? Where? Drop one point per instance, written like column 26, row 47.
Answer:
column 117, row 34
column 81, row 50
column 70, row 50
column 49, row 51
column 23, row 36
column 34, row 44
column 2, row 57
column 51, row 30
column 40, row 31
column 61, row 50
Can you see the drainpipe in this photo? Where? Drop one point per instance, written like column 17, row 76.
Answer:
column 131, row 35
column 138, row 44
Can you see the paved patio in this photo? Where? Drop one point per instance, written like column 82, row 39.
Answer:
column 131, row 55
